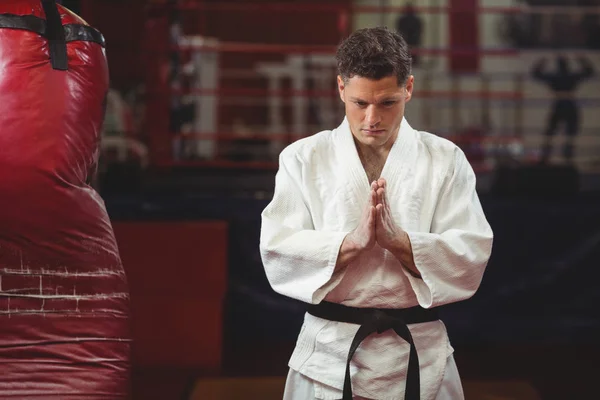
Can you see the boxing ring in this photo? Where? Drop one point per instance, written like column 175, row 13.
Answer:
column 224, row 103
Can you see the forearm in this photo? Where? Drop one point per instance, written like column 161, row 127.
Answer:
column 402, row 250
column 298, row 263
column 452, row 264
column 349, row 252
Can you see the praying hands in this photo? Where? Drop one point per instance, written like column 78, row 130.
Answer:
column 388, row 234
column 377, row 226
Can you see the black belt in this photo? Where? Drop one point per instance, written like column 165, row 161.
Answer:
column 373, row 320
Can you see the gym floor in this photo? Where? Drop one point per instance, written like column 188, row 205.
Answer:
column 498, row 373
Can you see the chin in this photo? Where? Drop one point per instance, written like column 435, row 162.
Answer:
column 374, row 140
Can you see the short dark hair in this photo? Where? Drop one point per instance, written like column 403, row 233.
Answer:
column 374, row 53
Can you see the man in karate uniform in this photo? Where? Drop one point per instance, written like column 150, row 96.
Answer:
column 374, row 224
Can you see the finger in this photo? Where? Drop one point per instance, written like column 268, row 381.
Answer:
column 373, row 198
column 385, row 205
column 381, row 182
column 372, row 214
column 379, row 209
column 380, row 195
column 374, row 185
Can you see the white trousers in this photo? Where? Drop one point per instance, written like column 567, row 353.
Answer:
column 300, row 387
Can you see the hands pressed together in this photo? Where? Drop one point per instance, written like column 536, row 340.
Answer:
column 376, row 225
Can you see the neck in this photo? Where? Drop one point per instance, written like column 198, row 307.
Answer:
column 376, row 151
column 373, row 151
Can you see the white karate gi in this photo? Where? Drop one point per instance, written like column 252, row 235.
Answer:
column 321, row 190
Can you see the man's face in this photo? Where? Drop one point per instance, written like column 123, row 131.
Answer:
column 375, row 108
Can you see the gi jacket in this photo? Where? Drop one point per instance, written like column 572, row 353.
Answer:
column 321, row 191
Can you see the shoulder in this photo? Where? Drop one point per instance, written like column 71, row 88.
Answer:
column 445, row 155
column 304, row 150
column 437, row 144
column 440, row 148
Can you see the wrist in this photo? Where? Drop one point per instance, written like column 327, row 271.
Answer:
column 402, row 250
column 349, row 251
column 350, row 246
column 400, row 244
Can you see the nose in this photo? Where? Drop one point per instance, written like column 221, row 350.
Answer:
column 372, row 117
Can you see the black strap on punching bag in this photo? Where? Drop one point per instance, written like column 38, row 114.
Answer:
column 56, row 36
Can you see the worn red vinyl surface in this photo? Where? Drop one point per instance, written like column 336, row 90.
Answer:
column 64, row 303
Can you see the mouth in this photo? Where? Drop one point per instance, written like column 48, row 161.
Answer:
column 373, row 132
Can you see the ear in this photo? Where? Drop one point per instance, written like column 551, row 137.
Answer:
column 409, row 87
column 341, row 87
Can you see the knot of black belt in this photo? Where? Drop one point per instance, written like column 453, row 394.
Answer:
column 373, row 320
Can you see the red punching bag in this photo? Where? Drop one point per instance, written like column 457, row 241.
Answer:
column 64, row 302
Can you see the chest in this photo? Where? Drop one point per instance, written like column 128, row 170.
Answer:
column 373, row 170
column 373, row 166
column 341, row 196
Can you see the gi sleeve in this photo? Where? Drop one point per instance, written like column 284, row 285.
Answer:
column 299, row 261
column 452, row 257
